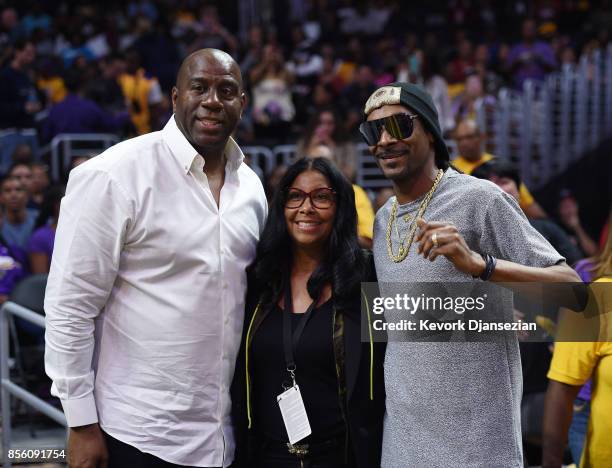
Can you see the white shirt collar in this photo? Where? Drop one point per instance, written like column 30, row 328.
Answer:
column 186, row 154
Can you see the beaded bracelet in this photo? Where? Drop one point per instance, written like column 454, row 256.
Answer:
column 490, row 263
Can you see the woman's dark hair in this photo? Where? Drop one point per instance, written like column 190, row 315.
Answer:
column 50, row 205
column 344, row 265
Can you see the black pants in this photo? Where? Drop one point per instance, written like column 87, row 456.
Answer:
column 121, row 455
column 272, row 454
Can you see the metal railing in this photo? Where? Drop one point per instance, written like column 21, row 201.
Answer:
column 8, row 387
column 65, row 146
column 368, row 175
column 548, row 125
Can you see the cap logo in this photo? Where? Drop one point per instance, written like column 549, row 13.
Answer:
column 387, row 95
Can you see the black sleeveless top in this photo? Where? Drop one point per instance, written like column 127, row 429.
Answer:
column 315, row 375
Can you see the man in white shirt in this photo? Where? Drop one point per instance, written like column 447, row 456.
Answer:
column 145, row 298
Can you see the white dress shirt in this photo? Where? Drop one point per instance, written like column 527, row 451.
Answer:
column 145, row 298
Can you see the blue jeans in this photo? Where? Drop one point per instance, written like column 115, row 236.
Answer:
column 578, row 428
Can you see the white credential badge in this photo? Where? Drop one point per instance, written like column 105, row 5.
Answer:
column 294, row 414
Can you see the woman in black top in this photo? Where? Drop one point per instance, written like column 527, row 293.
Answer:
column 303, row 315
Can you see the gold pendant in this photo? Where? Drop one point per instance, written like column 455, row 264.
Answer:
column 401, row 250
column 406, row 218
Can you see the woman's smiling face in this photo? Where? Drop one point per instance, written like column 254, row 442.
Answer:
column 310, row 226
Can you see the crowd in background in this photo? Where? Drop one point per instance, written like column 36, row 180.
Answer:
column 91, row 67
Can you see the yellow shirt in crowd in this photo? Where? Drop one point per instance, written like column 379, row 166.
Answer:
column 574, row 363
column 54, row 87
column 141, row 92
column 466, row 166
column 365, row 213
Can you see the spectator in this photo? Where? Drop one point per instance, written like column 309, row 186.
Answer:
column 465, row 104
column 105, row 90
column 143, row 94
column 19, row 100
column 159, row 53
column 568, row 58
column 570, row 218
column 491, row 82
column 19, row 221
column 411, row 65
column 436, row 85
column 212, row 34
column 306, row 65
column 330, row 74
column 40, row 247
column 470, row 144
column 326, row 129
column 273, row 108
column 12, row 270
column 323, row 97
column 530, row 59
column 76, row 114
column 506, row 176
column 585, row 268
column 355, row 94
column 22, row 154
column 274, row 180
column 463, row 63
column 77, row 53
column 347, row 65
column 23, row 173
column 253, row 50
column 9, row 30
column 573, row 364
column 50, row 81
column 40, row 183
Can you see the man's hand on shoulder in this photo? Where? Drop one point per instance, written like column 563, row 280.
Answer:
column 86, row 447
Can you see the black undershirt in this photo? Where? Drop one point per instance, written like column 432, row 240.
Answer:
column 315, row 375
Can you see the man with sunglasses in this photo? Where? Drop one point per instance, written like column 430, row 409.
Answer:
column 448, row 403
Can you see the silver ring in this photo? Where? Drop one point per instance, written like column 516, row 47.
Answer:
column 434, row 240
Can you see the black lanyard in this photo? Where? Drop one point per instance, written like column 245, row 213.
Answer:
column 290, row 341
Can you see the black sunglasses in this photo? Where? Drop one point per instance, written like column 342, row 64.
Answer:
column 399, row 126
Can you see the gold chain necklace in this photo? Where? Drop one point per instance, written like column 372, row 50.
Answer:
column 403, row 248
